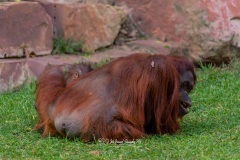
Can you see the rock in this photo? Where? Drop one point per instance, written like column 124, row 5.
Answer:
column 128, row 32
column 25, row 29
column 96, row 25
column 13, row 74
column 203, row 29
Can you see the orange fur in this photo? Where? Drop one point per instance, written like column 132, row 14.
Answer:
column 123, row 100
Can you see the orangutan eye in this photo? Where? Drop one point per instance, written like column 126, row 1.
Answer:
column 184, row 85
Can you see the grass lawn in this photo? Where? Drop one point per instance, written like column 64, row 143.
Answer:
column 210, row 131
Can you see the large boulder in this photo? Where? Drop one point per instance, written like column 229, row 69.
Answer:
column 25, row 29
column 96, row 25
column 204, row 29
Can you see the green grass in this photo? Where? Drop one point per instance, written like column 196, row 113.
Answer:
column 210, row 131
column 67, row 46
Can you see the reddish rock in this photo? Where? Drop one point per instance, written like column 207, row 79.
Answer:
column 202, row 28
column 25, row 29
column 13, row 74
column 97, row 25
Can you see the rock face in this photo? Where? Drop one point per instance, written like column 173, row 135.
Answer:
column 25, row 29
column 204, row 29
